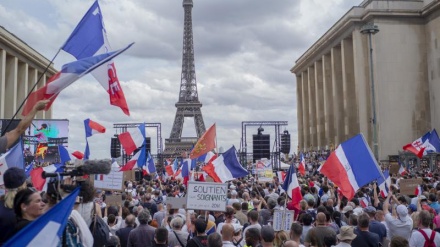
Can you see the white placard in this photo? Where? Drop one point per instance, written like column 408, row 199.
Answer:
column 282, row 220
column 207, row 196
column 111, row 181
column 176, row 202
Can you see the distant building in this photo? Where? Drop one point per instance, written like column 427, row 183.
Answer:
column 20, row 68
column 333, row 77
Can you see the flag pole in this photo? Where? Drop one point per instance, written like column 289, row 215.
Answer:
column 32, row 89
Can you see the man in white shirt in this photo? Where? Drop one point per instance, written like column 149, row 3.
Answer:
column 419, row 237
column 399, row 224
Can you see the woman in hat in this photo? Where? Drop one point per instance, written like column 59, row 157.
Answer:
column 345, row 236
column 14, row 180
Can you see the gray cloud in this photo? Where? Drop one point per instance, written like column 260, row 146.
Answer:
column 243, row 50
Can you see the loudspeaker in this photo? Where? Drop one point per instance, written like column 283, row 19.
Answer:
column 148, row 146
column 285, row 142
column 115, row 148
column 260, row 146
column 138, row 175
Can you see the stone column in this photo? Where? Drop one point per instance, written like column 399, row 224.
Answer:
column 338, row 94
column 299, row 112
column 22, row 83
column 11, row 86
column 328, row 100
column 312, row 108
column 2, row 83
column 319, row 99
column 351, row 120
column 305, row 98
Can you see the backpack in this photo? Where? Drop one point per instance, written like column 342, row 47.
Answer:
column 100, row 230
column 429, row 242
column 70, row 235
column 311, row 213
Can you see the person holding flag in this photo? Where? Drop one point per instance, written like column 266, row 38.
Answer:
column 9, row 138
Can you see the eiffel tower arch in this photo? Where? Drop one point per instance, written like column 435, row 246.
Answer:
column 188, row 105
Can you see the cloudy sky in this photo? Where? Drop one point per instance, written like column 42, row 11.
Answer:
column 244, row 50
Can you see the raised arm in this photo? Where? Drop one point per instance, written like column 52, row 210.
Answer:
column 14, row 134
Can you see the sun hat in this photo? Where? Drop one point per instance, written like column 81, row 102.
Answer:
column 346, row 233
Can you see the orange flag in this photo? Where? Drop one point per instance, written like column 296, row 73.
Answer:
column 205, row 144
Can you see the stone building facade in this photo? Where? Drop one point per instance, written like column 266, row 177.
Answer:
column 333, row 77
column 20, row 67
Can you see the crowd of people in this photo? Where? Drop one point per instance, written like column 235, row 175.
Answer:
column 141, row 215
column 323, row 218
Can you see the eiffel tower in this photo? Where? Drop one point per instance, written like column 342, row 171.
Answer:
column 188, row 104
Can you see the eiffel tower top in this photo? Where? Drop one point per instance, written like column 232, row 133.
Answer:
column 187, row 2
column 188, row 85
column 188, row 105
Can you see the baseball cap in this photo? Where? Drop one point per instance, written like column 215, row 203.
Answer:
column 14, row 177
column 402, row 212
column 346, row 209
column 370, row 210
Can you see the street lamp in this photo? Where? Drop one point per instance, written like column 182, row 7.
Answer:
column 372, row 29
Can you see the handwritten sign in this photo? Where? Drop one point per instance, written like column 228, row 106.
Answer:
column 113, row 200
column 176, row 202
column 111, row 181
column 282, row 220
column 265, row 175
column 206, row 196
column 408, row 186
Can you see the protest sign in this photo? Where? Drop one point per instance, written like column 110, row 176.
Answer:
column 113, row 200
column 265, row 175
column 408, row 186
column 176, row 202
column 282, row 220
column 206, row 196
column 112, row 181
column 394, row 167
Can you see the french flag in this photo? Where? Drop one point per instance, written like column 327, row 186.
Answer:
column 69, row 73
column 12, row 158
column 418, row 191
column 88, row 39
column 364, row 202
column 281, row 175
column 402, row 170
column 47, row 229
column 64, row 154
column 78, row 155
column 150, row 167
column 99, row 177
column 302, row 165
column 186, row 170
column 169, row 170
column 351, row 166
column 384, row 183
column 133, row 139
column 206, row 158
column 226, row 167
column 93, row 127
column 138, row 159
column 291, row 186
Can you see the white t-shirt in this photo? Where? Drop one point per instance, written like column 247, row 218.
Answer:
column 417, row 239
column 398, row 227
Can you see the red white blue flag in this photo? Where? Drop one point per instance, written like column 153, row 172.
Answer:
column 69, row 73
column 351, row 166
column 89, row 39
